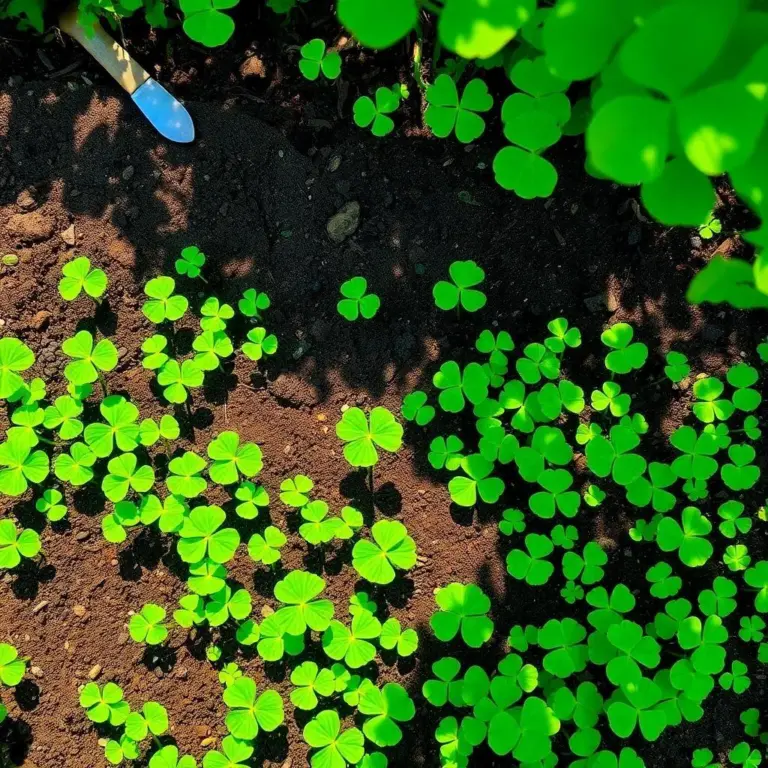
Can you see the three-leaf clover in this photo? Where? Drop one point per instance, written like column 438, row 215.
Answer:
column 394, row 637
column 147, row 626
column 416, row 409
column 457, row 386
column 463, row 609
column 299, row 591
column 78, row 276
column 163, row 305
column 88, row 359
column 125, row 474
column 184, row 475
column 253, row 303
column 689, row 539
column 211, row 348
column 391, row 548
column 104, row 705
column 363, row 437
column 461, row 291
column 231, row 459
column 386, row 707
column 447, row 112
column 202, row 536
column 626, row 355
column 336, row 748
column 15, row 356
column 367, row 112
column 50, row 505
column 315, row 59
column 677, row 367
column 215, row 315
column 531, row 565
column 352, row 644
column 14, row 544
column 465, row 490
column 259, row 343
column 20, row 465
column 265, row 548
column 177, row 378
column 250, row 712
column 356, row 302
column 190, row 262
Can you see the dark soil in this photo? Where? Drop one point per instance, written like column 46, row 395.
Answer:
column 255, row 192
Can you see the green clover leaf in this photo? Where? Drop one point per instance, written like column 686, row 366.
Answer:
column 89, row 360
column 391, row 548
column 447, row 112
column 461, row 291
column 362, row 438
column 78, row 277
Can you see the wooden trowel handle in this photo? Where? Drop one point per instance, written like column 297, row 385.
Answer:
column 113, row 57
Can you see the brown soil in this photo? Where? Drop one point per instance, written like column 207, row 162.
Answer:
column 258, row 207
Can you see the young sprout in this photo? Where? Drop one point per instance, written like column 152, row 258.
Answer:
column 184, row 478
column 229, row 673
column 15, row 545
column 26, row 420
column 163, row 305
column 120, row 429
column 531, row 565
column 711, row 405
column 211, row 348
column 457, row 386
column 335, row 748
column 361, row 438
column 206, row 577
column 215, row 316
column 89, row 361
column 352, row 644
column 461, row 291
column 20, row 465
column 318, row 528
column 311, row 682
column 202, row 536
column 191, row 612
column 15, row 356
column 63, row 415
column 78, row 277
column 124, row 515
column 391, row 548
column 226, row 604
column 75, row 467
column 177, row 379
column 356, row 302
column 259, row 344
column 191, row 262
column 231, row 459
column 463, row 609
column 234, row 753
column 169, row 514
column 294, row 491
column 316, row 59
column 253, row 303
column 266, row 548
column 562, row 336
column 147, row 626
column 152, row 720
column 125, row 475
column 447, row 112
column 415, row 408
column 395, row 638
column 711, row 227
column 251, row 497
column 248, row 712
column 677, row 367
column 155, row 356
column 610, row 397
column 150, row 431
column 49, row 504
column 626, row 356
column 445, row 453
column 375, row 114
column 104, row 705
column 298, row 592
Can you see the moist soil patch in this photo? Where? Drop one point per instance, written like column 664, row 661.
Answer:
column 82, row 173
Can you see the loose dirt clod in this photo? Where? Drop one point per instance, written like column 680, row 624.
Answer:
column 345, row 223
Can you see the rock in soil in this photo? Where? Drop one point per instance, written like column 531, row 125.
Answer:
column 344, row 223
column 30, row 227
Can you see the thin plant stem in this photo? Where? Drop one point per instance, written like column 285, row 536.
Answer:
column 103, row 383
column 370, row 479
column 429, row 5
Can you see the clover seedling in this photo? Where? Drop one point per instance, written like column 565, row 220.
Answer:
column 266, row 548
column 663, row 583
column 251, row 497
column 391, row 548
column 610, row 397
column 446, row 687
column 231, row 459
column 249, row 713
column 169, row 514
column 75, row 467
column 457, row 386
column 153, row 719
column 15, row 356
column 461, row 291
column 273, row 640
column 638, row 709
column 352, row 644
column 463, row 609
column 12, row 668
column 315, row 59
column 386, row 707
column 206, row 577
column 259, row 344
column 50, row 505
column 562, row 336
column 294, row 491
column 150, row 431
column 335, row 748
column 356, row 302
column 125, row 475
column 689, row 540
column 367, row 112
column 736, row 557
column 394, row 637
column 147, row 626
column 78, row 277
column 225, row 604
column 89, row 360
column 677, row 367
column 190, row 263
column 447, row 112
column 104, row 705
column 253, row 303
column 234, row 754
column 215, row 315
column 626, row 356
column 710, row 407
column 211, row 347
column 63, row 415
column 416, row 409
column 362, row 438
column 711, row 227
column 538, row 362
column 202, row 536
column 299, row 591
column 163, row 305
column 311, row 682
column 530, row 565
column 445, row 453
column 319, row 528
column 21, row 466
column 465, row 490
column 741, row 474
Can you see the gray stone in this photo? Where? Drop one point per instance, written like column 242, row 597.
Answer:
column 344, row 223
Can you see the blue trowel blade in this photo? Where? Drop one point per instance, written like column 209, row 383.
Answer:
column 165, row 113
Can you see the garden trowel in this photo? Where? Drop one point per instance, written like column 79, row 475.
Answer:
column 165, row 113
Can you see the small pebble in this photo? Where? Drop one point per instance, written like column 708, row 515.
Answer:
column 94, row 671
column 79, row 610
